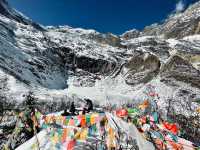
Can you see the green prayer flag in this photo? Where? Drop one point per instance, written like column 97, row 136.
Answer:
column 67, row 120
column 87, row 118
column 38, row 115
column 133, row 110
column 59, row 131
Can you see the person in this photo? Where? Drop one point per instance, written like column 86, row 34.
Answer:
column 89, row 105
column 72, row 109
column 83, row 111
column 35, row 121
column 129, row 120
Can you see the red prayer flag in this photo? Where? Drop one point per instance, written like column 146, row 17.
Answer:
column 121, row 112
column 71, row 144
column 171, row 127
column 83, row 121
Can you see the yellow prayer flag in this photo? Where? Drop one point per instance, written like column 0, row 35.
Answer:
column 55, row 138
column 77, row 135
column 92, row 119
column 64, row 135
column 83, row 134
column 144, row 105
column 198, row 110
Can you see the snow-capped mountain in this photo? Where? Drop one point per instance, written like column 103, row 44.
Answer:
column 57, row 62
column 178, row 25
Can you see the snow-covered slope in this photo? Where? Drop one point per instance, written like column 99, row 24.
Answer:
column 76, row 61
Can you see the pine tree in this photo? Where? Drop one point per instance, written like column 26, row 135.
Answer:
column 3, row 91
column 30, row 100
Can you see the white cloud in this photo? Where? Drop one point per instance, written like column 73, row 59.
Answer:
column 180, row 6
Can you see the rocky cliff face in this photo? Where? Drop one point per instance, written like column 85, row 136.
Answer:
column 178, row 25
column 58, row 62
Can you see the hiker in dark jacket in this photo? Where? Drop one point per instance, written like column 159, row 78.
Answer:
column 89, row 105
column 72, row 109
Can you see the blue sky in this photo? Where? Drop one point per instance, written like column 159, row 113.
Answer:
column 116, row 16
